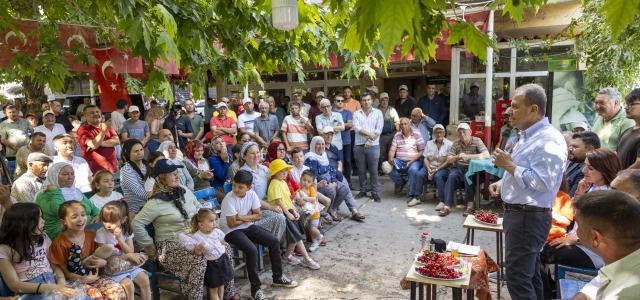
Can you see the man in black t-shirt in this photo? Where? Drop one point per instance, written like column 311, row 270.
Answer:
column 405, row 103
column 180, row 127
column 629, row 145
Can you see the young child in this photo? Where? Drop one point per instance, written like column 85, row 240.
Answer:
column 208, row 240
column 308, row 194
column 240, row 208
column 24, row 251
column 296, row 171
column 237, row 160
column 102, row 188
column 75, row 244
column 117, row 231
column 279, row 194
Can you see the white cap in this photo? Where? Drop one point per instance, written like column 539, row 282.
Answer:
column 475, row 84
column 373, row 88
column 324, row 102
column 441, row 127
column 133, row 108
column 582, row 125
column 327, row 129
column 384, row 95
column 463, row 126
column 46, row 112
column 222, row 104
column 386, row 167
column 320, row 94
column 403, row 87
column 246, row 100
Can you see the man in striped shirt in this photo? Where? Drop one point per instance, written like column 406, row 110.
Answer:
column 296, row 128
column 367, row 124
column 407, row 148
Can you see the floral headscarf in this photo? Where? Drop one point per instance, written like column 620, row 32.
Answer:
column 190, row 151
column 213, row 151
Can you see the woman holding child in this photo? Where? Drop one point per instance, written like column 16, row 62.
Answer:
column 169, row 210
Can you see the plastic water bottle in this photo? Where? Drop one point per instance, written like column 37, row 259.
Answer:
column 29, row 132
column 424, row 241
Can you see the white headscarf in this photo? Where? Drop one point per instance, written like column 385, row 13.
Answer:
column 71, row 193
column 322, row 158
column 164, row 148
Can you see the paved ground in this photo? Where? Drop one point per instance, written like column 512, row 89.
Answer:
column 366, row 260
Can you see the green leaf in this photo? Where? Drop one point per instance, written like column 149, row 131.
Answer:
column 515, row 8
column 475, row 41
column 167, row 19
column 391, row 33
column 619, row 13
column 166, row 44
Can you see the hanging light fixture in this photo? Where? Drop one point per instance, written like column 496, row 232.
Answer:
column 284, row 14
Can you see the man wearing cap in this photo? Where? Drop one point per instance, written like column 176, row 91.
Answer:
column 65, row 146
column 26, row 187
column 265, row 126
column 347, row 142
column 134, row 128
column 374, row 94
column 246, row 120
column 391, row 125
column 405, row 103
column 472, row 103
column 464, row 149
column 367, row 124
column 433, row 105
column 580, row 127
column 404, row 156
column 230, row 112
column 436, row 165
column 331, row 119
column 44, row 106
column 38, row 144
column 14, row 132
column 297, row 97
column 98, row 140
column 224, row 126
column 50, row 128
column 316, row 111
column 197, row 123
column 180, row 127
column 33, row 120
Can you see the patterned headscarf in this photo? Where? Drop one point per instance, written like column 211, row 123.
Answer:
column 272, row 151
column 213, row 151
column 190, row 151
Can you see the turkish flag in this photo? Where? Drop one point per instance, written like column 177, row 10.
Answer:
column 397, row 55
column 22, row 40
column 170, row 67
column 479, row 20
column 110, row 84
column 76, row 35
column 443, row 51
column 124, row 62
column 220, row 47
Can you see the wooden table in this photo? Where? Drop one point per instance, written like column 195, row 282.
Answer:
column 472, row 225
column 418, row 282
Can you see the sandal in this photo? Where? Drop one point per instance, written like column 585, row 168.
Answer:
column 443, row 212
column 468, row 211
column 334, row 216
column 357, row 216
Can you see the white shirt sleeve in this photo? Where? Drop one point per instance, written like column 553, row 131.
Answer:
column 591, row 289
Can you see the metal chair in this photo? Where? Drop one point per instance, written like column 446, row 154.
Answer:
column 560, row 271
column 569, row 288
column 207, row 195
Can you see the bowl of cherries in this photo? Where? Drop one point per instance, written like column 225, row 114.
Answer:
column 487, row 218
column 438, row 266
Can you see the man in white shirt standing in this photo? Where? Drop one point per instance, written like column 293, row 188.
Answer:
column 245, row 120
column 65, row 147
column 50, row 128
column 367, row 124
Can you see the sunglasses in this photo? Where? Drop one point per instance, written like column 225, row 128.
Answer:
column 339, row 101
column 246, row 140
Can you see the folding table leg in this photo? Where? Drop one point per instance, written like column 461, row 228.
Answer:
column 421, row 291
column 413, row 291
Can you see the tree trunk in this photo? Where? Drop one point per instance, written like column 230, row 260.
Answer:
column 34, row 93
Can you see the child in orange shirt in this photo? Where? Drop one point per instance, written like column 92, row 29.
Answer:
column 562, row 214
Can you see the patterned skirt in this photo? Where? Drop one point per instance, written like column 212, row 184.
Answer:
column 274, row 223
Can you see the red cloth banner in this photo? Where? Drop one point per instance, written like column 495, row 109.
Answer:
column 76, row 35
column 479, row 20
column 170, row 67
column 111, row 85
column 22, row 40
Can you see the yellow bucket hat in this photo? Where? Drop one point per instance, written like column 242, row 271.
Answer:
column 277, row 165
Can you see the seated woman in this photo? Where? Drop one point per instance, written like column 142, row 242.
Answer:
column 149, row 181
column 132, row 174
column 197, row 165
column 170, row 210
column 59, row 189
column 318, row 161
column 170, row 151
column 273, row 219
column 601, row 167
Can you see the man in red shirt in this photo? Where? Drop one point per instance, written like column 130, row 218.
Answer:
column 97, row 140
column 223, row 126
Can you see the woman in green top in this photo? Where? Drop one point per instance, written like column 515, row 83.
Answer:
column 59, row 187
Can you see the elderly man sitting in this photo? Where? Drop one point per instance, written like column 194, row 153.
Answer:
column 28, row 185
column 436, row 165
column 407, row 148
column 465, row 148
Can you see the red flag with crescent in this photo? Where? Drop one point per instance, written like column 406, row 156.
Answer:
column 76, row 36
column 111, row 85
column 22, row 40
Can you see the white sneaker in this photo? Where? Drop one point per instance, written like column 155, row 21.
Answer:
column 440, row 206
column 314, row 246
column 414, row 202
column 319, row 239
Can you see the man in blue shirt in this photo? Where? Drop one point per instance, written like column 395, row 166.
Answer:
column 533, row 176
column 347, row 145
column 433, row 105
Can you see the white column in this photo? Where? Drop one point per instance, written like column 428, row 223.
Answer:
column 489, row 80
column 92, row 91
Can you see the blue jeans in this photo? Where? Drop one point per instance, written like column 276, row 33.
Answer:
column 417, row 176
column 457, row 179
column 44, row 278
column 346, row 163
column 439, row 180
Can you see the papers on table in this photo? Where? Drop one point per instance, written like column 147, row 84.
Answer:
column 465, row 249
